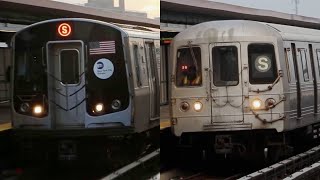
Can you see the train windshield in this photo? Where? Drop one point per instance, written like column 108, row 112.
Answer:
column 30, row 77
column 188, row 70
column 262, row 64
column 225, row 66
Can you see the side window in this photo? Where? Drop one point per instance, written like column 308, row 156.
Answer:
column 304, row 63
column 288, row 59
column 136, row 55
column 225, row 66
column 188, row 70
column 262, row 64
column 318, row 59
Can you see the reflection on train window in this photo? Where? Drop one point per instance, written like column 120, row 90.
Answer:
column 288, row 59
column 262, row 64
column 318, row 59
column 225, row 66
column 29, row 72
column 188, row 70
column 69, row 66
column 137, row 64
column 304, row 63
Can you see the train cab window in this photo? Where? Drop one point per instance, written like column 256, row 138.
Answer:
column 137, row 64
column 69, row 66
column 29, row 71
column 304, row 63
column 262, row 64
column 225, row 66
column 188, row 70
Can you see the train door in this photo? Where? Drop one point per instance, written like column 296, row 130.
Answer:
column 66, row 93
column 306, row 90
column 314, row 80
column 293, row 80
column 152, row 66
column 317, row 70
column 226, row 85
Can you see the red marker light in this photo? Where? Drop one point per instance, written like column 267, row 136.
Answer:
column 167, row 42
column 64, row 29
column 184, row 67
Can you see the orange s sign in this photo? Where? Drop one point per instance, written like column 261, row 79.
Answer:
column 64, row 29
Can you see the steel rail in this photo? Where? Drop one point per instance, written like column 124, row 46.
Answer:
column 128, row 167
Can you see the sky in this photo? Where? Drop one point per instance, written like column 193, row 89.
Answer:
column 151, row 7
column 305, row 7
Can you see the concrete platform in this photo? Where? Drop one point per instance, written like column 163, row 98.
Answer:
column 164, row 117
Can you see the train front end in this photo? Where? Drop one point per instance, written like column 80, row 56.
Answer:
column 70, row 75
column 226, row 86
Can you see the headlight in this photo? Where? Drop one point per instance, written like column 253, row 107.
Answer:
column 99, row 107
column 184, row 106
column 116, row 104
column 37, row 109
column 197, row 106
column 24, row 107
column 256, row 104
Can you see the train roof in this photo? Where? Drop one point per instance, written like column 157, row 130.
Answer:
column 244, row 30
column 130, row 30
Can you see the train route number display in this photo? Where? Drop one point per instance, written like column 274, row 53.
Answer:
column 103, row 68
column 263, row 63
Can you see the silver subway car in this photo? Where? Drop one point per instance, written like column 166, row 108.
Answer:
column 245, row 86
column 81, row 77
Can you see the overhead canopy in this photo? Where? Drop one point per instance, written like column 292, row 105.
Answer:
column 31, row 11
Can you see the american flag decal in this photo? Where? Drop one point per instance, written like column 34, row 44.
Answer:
column 102, row 47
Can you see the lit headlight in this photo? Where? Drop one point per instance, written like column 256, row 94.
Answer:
column 37, row 109
column 197, row 106
column 24, row 107
column 256, row 104
column 99, row 107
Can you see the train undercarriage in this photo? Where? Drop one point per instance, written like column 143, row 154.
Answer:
column 103, row 149
column 259, row 147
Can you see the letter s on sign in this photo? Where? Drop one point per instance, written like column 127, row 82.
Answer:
column 64, row 29
column 263, row 63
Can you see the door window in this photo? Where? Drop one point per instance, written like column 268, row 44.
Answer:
column 225, row 66
column 137, row 64
column 69, row 66
column 304, row 63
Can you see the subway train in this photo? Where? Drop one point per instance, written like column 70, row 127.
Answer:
column 243, row 87
column 79, row 77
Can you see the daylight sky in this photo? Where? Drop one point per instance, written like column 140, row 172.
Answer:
column 305, row 7
column 152, row 7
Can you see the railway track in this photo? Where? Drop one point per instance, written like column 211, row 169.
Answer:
column 305, row 165
column 140, row 162
column 122, row 171
column 199, row 176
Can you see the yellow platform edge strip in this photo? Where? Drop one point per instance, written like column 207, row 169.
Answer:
column 164, row 124
column 5, row 126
